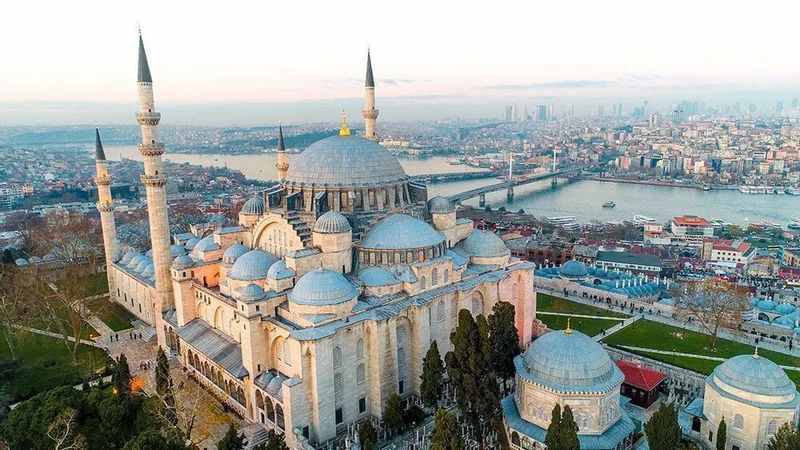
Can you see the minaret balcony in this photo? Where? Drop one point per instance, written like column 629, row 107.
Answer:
column 102, row 181
column 105, row 207
column 156, row 149
column 154, row 180
column 370, row 113
column 148, row 118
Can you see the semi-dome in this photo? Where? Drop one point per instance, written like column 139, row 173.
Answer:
column 573, row 269
column 345, row 161
column 568, row 360
column 440, row 205
column 754, row 374
column 177, row 250
column 251, row 293
column 484, row 243
column 191, row 243
column 322, row 287
column 206, row 244
column 182, row 262
column 279, row 271
column 766, row 305
column 399, row 232
column 252, row 265
column 377, row 276
column 232, row 253
column 253, row 206
column 332, row 222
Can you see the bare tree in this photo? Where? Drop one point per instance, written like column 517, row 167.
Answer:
column 15, row 305
column 713, row 304
column 63, row 434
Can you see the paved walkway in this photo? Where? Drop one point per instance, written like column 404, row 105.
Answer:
column 688, row 355
column 58, row 335
column 616, row 328
column 585, row 316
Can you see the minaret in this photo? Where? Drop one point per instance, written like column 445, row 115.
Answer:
column 154, row 180
column 106, row 207
column 282, row 164
column 370, row 113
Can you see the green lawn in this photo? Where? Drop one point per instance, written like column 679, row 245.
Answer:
column 97, row 284
column 658, row 336
column 45, row 363
column 113, row 314
column 550, row 303
column 589, row 327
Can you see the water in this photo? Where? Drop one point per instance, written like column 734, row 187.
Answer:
column 581, row 199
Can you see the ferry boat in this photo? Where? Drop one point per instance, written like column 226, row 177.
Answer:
column 641, row 221
column 569, row 223
column 744, row 189
column 780, row 190
column 609, row 205
column 794, row 224
column 793, row 191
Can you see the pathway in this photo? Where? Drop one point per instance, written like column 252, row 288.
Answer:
column 616, row 328
column 57, row 335
column 687, row 355
column 585, row 316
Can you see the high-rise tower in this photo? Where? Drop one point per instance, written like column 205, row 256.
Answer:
column 106, row 207
column 154, row 180
column 370, row 113
column 282, row 165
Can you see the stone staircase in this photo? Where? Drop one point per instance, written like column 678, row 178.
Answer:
column 255, row 434
column 300, row 227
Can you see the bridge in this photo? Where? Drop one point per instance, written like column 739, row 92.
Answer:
column 509, row 186
column 455, row 176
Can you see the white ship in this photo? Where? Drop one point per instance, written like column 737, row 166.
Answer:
column 641, row 221
column 569, row 223
column 794, row 224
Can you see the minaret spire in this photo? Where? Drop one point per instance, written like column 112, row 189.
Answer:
column 370, row 113
column 144, row 68
column 99, row 153
column 282, row 165
column 105, row 205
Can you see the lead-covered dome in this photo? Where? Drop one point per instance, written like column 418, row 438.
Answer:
column 573, row 269
column 400, row 232
column 232, row 253
column 253, row 206
column 485, row 244
column 252, row 265
column 251, row 293
column 440, row 205
column 322, row 287
column 345, row 161
column 182, row 262
column 332, row 222
column 754, row 374
column 568, row 360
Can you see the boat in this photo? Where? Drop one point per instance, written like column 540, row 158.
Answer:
column 794, row 224
column 780, row 190
column 744, row 189
column 609, row 205
column 569, row 223
column 640, row 220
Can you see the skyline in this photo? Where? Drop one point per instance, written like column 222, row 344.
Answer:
column 273, row 60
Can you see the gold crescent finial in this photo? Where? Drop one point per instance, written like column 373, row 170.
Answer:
column 344, row 131
column 569, row 328
column 755, row 355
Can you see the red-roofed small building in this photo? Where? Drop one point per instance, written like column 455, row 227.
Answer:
column 641, row 383
column 691, row 230
column 728, row 253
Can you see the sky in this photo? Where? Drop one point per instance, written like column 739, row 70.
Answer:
column 58, row 57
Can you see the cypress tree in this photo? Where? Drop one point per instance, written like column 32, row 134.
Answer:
column 568, row 431
column 663, row 431
column 432, row 376
column 393, row 413
column 503, row 339
column 722, row 434
column 232, row 440
column 121, row 376
column 787, row 438
column 551, row 439
column 367, row 435
column 275, row 441
column 164, row 387
column 446, row 432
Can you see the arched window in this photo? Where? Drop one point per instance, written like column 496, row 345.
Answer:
column 361, row 374
column 477, row 303
column 446, row 276
column 453, row 307
column 440, row 311
column 738, row 422
column 279, row 348
column 337, row 358
column 772, row 428
column 279, row 417
column 434, row 277
column 338, row 388
column 360, row 349
column 401, row 357
column 515, row 439
column 287, row 354
column 423, row 283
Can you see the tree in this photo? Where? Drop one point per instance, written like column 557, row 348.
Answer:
column 568, row 431
column 663, row 431
column 551, row 439
column 432, row 376
column 446, row 432
column 366, row 435
column 121, row 376
column 15, row 305
column 722, row 435
column 164, row 386
column 62, row 432
column 232, row 440
column 503, row 339
column 713, row 304
column 393, row 413
column 787, row 438
column 152, row 439
column 275, row 441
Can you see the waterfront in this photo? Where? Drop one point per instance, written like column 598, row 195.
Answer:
column 581, row 199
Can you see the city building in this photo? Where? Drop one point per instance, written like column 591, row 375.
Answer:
column 730, row 254
column 321, row 303
column 641, row 263
column 691, row 230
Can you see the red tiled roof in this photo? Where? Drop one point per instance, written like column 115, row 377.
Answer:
column 641, row 377
column 691, row 221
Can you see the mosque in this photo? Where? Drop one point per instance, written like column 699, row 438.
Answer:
column 325, row 297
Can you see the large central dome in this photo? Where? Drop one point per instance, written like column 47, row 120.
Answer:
column 345, row 161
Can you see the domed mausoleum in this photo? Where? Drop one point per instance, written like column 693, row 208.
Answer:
column 567, row 368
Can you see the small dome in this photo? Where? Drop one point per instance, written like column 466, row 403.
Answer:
column 233, row 252
column 252, row 265
column 182, row 262
column 486, row 244
column 206, row 244
column 332, row 222
column 142, row 264
column 570, row 361
column 754, row 374
column 149, row 253
column 177, row 250
column 191, row 243
column 322, row 287
column 766, row 305
column 785, row 308
column 134, row 261
column 573, row 269
column 253, row 206
column 279, row 271
column 251, row 293
column 377, row 276
column 127, row 257
column 440, row 205
column 148, row 271
column 401, row 232
column 21, row 262
column 275, row 383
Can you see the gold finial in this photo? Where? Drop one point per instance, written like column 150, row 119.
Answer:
column 344, row 131
column 755, row 355
column 569, row 328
